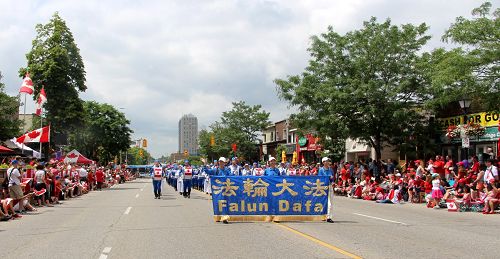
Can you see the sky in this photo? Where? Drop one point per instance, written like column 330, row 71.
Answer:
column 156, row 60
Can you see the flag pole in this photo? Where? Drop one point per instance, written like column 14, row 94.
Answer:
column 41, row 126
column 24, row 121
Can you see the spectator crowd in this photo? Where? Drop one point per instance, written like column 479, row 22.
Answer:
column 29, row 184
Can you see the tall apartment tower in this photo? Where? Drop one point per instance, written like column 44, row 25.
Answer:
column 188, row 134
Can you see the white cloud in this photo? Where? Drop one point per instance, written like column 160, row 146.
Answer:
column 161, row 59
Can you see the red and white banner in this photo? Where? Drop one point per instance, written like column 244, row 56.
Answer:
column 42, row 99
column 40, row 135
column 27, row 86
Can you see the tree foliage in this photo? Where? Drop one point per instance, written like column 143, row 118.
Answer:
column 471, row 70
column 239, row 126
column 54, row 62
column 134, row 156
column 359, row 85
column 9, row 110
column 104, row 133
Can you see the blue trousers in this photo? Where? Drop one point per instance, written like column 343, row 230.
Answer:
column 187, row 187
column 157, row 187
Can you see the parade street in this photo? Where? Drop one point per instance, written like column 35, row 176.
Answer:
column 127, row 222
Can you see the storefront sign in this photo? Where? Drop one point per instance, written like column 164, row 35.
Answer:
column 290, row 148
column 491, row 134
column 485, row 119
column 465, row 142
column 302, row 141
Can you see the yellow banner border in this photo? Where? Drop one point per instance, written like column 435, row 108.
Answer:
column 270, row 218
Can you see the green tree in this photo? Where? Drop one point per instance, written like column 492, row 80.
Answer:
column 55, row 63
column 473, row 69
column 238, row 126
column 105, row 129
column 134, row 157
column 359, row 85
column 9, row 110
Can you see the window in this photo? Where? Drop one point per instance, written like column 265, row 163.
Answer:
column 265, row 139
column 272, row 136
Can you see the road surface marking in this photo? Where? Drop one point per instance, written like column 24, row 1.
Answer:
column 142, row 189
column 127, row 211
column 317, row 241
column 372, row 217
column 137, row 196
column 104, row 253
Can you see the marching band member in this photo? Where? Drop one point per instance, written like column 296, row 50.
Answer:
column 178, row 177
column 187, row 177
column 157, row 171
column 326, row 170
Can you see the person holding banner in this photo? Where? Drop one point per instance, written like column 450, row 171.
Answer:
column 157, row 178
column 272, row 170
column 246, row 170
column 220, row 170
column 234, row 167
column 187, row 177
column 326, row 170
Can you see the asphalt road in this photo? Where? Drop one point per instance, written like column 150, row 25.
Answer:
column 127, row 222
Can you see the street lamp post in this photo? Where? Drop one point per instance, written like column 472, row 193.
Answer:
column 465, row 105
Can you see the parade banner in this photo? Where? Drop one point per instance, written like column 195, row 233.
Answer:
column 270, row 198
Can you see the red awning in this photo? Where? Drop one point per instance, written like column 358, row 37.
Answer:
column 6, row 150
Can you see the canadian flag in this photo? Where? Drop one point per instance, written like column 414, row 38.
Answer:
column 27, row 86
column 40, row 135
column 42, row 99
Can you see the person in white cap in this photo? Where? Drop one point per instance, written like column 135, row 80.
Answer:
column 272, row 170
column 220, row 170
column 326, row 170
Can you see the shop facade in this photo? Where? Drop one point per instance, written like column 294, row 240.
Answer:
column 462, row 145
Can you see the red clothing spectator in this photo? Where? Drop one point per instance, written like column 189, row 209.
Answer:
column 99, row 176
column 475, row 167
column 447, row 166
column 439, row 167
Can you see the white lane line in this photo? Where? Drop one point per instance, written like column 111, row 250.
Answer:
column 137, row 196
column 127, row 211
column 142, row 189
column 386, row 220
column 104, row 253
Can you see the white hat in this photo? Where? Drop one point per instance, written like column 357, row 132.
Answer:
column 324, row 159
column 398, row 175
column 223, row 159
column 272, row 158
